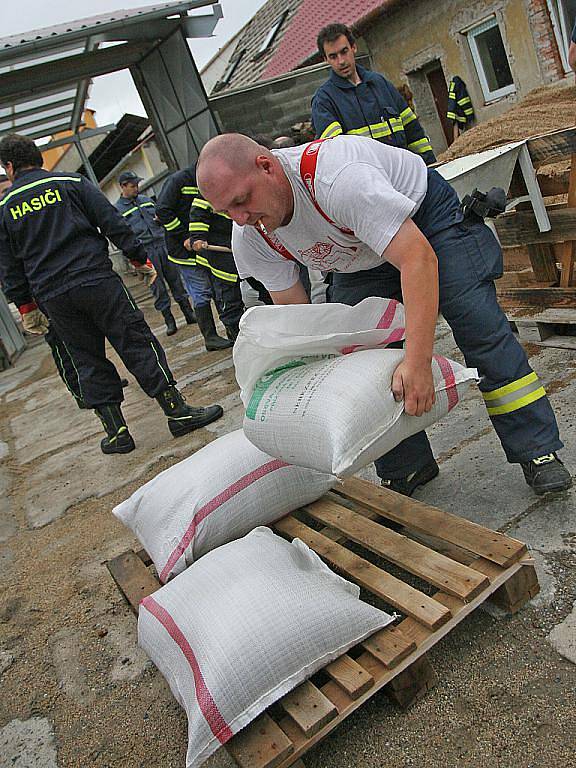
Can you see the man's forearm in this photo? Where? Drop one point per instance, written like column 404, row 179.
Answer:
column 295, row 295
column 419, row 277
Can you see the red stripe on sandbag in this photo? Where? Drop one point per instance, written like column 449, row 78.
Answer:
column 449, row 379
column 396, row 335
column 388, row 316
column 213, row 504
column 218, row 725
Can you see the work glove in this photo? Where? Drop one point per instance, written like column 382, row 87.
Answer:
column 33, row 320
column 145, row 272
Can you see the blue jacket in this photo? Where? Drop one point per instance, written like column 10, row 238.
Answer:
column 372, row 108
column 53, row 230
column 140, row 214
column 173, row 213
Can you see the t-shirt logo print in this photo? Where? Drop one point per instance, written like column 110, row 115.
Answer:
column 320, row 255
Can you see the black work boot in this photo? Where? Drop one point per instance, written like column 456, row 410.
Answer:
column 183, row 418
column 205, row 320
column 170, row 321
column 546, row 474
column 407, row 485
column 118, row 439
column 188, row 312
column 232, row 331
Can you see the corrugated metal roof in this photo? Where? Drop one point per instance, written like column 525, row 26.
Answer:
column 60, row 34
column 45, row 74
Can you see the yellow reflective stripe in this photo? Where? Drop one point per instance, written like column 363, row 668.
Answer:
column 36, row 184
column 464, row 100
column 407, row 116
column 199, row 202
column 172, row 224
column 521, row 402
column 224, row 215
column 230, row 277
column 421, row 146
column 469, row 111
column 334, row 129
column 451, row 115
column 198, row 226
column 130, row 210
column 189, row 190
column 185, row 262
column 146, row 204
column 375, row 130
column 514, row 386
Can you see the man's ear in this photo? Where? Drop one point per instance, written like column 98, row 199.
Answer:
column 264, row 163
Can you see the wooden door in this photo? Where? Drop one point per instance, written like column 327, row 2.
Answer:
column 439, row 88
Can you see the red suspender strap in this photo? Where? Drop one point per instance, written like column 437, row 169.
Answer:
column 308, row 162
column 276, row 245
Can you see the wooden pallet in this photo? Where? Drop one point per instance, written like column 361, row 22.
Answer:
column 466, row 563
column 549, row 328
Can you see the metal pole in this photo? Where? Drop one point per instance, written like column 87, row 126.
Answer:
column 84, row 157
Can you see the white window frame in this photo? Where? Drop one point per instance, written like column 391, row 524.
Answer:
column 471, row 34
column 561, row 31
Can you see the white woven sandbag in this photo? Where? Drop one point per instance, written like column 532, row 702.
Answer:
column 338, row 415
column 271, row 336
column 243, row 626
column 218, row 494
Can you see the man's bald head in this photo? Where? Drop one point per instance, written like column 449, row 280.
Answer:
column 245, row 180
column 230, row 152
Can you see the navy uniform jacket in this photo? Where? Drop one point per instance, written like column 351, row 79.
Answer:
column 140, row 214
column 53, row 230
column 173, row 213
column 216, row 229
column 460, row 109
column 373, row 108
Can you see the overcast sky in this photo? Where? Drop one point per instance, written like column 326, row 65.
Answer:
column 113, row 95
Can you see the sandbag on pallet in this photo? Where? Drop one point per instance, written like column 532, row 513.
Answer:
column 218, row 494
column 243, row 626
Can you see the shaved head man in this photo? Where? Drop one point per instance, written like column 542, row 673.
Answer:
column 385, row 225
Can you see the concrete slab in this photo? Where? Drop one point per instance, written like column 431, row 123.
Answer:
column 4, row 450
column 6, row 661
column 28, row 364
column 28, row 744
column 563, row 637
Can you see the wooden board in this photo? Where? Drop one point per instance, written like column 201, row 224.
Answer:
column 468, row 564
column 542, row 298
column 552, row 147
column 520, row 227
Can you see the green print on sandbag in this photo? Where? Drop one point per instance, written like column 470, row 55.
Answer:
column 264, row 383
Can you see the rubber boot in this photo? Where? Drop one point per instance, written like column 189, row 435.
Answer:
column 183, row 418
column 170, row 321
column 232, row 331
column 118, row 439
column 188, row 312
column 205, row 320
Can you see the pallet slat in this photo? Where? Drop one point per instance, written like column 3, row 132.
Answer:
column 389, row 646
column 437, row 569
column 309, row 708
column 350, row 676
column 421, row 517
column 395, row 592
column 262, row 744
column 134, row 579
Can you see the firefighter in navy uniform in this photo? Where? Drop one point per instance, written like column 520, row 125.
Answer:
column 139, row 212
column 357, row 101
column 209, row 228
column 173, row 213
column 53, row 247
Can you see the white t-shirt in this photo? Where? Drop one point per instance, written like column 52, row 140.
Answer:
column 362, row 185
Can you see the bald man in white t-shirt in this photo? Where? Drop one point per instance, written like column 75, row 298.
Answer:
column 385, row 225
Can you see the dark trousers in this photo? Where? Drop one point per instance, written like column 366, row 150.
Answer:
column 83, row 318
column 228, row 301
column 64, row 365
column 469, row 259
column 168, row 277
